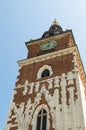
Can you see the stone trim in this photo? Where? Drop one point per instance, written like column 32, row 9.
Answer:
column 42, row 69
column 46, row 56
column 51, row 55
column 34, row 120
column 66, row 33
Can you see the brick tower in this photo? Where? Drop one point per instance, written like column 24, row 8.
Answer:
column 50, row 91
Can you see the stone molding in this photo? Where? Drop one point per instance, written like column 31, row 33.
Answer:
column 42, row 69
column 51, row 55
column 34, row 120
column 46, row 56
column 66, row 33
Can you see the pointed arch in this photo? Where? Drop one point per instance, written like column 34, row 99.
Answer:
column 44, row 71
column 40, row 119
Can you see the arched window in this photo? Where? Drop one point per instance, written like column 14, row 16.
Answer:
column 41, row 120
column 45, row 73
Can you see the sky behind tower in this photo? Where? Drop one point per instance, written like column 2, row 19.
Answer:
column 22, row 20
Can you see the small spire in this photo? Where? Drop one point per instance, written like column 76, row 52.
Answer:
column 55, row 21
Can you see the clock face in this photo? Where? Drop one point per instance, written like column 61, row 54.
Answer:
column 48, row 45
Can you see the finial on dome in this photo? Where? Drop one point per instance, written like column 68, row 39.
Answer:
column 54, row 29
column 55, row 21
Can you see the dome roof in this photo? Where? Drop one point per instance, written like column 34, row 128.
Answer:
column 53, row 30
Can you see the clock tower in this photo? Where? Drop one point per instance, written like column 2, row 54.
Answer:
column 50, row 91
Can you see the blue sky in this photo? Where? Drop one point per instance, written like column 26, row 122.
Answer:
column 22, row 20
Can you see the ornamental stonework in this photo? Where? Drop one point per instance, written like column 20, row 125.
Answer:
column 51, row 79
column 57, row 93
column 60, row 64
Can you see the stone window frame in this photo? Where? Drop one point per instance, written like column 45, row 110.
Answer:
column 48, row 67
column 34, row 120
column 41, row 120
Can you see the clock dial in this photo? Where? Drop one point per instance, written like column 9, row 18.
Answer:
column 48, row 45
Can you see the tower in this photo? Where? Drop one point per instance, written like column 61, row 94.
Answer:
column 50, row 91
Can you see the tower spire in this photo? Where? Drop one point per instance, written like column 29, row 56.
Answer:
column 55, row 22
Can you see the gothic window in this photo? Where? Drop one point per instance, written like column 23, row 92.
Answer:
column 41, row 120
column 45, row 73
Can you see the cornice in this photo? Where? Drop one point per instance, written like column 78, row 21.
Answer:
column 47, row 56
column 73, row 49
column 68, row 32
